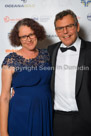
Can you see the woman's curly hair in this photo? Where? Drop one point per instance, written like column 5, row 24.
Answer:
column 38, row 29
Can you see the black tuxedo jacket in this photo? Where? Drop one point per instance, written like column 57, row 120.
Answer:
column 83, row 78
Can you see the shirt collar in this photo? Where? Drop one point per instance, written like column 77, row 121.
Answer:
column 76, row 44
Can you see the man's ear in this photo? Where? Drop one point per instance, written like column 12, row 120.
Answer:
column 78, row 27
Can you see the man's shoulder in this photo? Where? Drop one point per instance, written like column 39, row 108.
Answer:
column 52, row 47
column 86, row 46
column 88, row 43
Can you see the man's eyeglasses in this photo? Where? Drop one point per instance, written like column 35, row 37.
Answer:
column 68, row 27
column 25, row 37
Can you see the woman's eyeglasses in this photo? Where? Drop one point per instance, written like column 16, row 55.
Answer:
column 25, row 37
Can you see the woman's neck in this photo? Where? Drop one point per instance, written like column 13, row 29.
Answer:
column 28, row 53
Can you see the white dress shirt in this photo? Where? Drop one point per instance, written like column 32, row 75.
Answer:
column 65, row 78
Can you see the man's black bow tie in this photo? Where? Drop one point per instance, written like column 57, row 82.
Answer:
column 65, row 49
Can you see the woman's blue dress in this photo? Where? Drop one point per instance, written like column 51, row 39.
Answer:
column 30, row 109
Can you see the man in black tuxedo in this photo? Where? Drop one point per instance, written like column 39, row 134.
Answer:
column 71, row 79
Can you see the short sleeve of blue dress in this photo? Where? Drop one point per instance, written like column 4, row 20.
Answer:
column 9, row 60
column 30, row 110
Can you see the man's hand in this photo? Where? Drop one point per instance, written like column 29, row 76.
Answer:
column 13, row 92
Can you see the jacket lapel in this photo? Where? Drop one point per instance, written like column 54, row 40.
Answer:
column 80, row 66
column 54, row 56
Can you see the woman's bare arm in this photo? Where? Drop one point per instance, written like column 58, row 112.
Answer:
column 4, row 99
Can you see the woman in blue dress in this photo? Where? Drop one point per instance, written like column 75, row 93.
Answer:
column 28, row 71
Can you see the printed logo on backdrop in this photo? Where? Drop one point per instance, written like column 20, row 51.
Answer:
column 89, row 16
column 86, row 3
column 51, row 36
column 22, row 4
column 8, row 19
column 24, row 1
column 44, row 18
